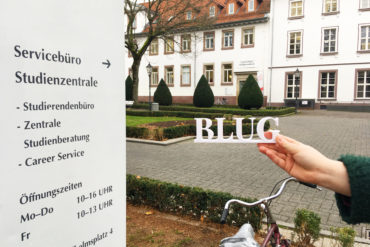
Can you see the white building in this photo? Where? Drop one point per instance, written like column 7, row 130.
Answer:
column 235, row 47
column 328, row 41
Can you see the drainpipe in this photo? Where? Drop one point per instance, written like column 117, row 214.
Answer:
column 271, row 45
column 195, row 60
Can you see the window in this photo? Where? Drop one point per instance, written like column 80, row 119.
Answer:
column 363, row 84
column 295, row 43
column 231, row 8
column 227, row 73
column 228, row 40
column 169, row 46
column 212, row 11
column 168, row 72
column 250, row 5
column 154, row 76
column 185, row 75
column 209, row 72
column 329, row 40
column 188, row 15
column 209, row 41
column 153, row 48
column 330, row 6
column 364, row 38
column 186, row 43
column 328, row 81
column 248, row 37
column 364, row 4
column 293, row 86
column 296, row 8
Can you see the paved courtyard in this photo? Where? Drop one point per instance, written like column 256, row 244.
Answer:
column 241, row 170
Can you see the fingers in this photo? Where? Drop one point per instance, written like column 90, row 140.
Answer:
column 268, row 135
column 289, row 139
column 273, row 146
column 276, row 158
column 290, row 145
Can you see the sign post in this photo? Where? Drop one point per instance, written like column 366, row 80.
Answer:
column 62, row 173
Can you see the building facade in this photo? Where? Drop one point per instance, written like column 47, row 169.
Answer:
column 328, row 41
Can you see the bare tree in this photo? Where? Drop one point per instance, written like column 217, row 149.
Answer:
column 163, row 19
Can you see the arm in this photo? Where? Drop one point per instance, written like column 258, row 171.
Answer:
column 307, row 164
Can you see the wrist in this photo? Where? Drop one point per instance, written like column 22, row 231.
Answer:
column 335, row 177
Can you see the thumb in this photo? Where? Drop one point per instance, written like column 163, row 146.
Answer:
column 290, row 146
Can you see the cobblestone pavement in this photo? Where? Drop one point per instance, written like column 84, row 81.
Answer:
column 241, row 170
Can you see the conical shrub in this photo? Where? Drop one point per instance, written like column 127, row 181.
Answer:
column 163, row 95
column 203, row 95
column 129, row 87
column 250, row 96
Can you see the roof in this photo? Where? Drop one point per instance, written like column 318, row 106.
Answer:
column 262, row 7
column 241, row 12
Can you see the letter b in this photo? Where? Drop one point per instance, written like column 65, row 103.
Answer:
column 199, row 135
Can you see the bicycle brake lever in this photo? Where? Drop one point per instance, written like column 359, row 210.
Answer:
column 224, row 215
column 314, row 186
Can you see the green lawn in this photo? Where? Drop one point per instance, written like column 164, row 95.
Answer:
column 132, row 121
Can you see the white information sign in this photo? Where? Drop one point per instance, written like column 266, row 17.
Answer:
column 62, row 172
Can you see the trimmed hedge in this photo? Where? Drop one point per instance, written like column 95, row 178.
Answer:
column 190, row 201
column 174, row 114
column 236, row 107
column 226, row 110
column 189, row 130
column 136, row 132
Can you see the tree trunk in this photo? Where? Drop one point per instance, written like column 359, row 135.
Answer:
column 135, row 78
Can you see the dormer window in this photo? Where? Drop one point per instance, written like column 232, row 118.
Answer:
column 212, row 11
column 188, row 15
column 250, row 5
column 231, row 8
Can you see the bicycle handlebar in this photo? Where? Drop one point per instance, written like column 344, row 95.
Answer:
column 263, row 200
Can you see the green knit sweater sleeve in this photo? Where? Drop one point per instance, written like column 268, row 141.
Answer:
column 355, row 209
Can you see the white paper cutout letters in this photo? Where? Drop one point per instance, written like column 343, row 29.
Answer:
column 239, row 136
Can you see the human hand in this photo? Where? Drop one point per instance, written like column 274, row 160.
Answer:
column 306, row 163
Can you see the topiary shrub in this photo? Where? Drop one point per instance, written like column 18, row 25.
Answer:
column 307, row 227
column 250, row 96
column 203, row 95
column 163, row 95
column 129, row 86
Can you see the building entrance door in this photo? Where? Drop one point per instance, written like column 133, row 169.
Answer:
column 241, row 78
